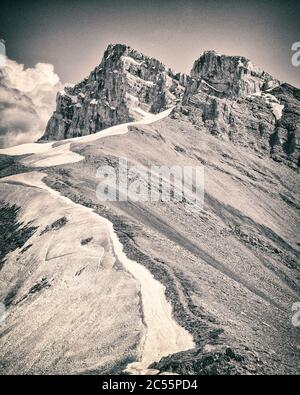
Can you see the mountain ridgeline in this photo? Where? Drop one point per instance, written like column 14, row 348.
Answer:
column 125, row 87
column 226, row 96
column 155, row 282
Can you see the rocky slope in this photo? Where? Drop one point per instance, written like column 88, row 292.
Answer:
column 230, row 268
column 126, row 86
column 229, row 97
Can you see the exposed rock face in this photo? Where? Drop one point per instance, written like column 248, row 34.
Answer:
column 232, row 99
column 286, row 137
column 228, row 76
column 123, row 88
column 226, row 96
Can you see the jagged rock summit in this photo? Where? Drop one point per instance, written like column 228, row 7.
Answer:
column 226, row 96
column 230, row 98
column 126, row 86
column 228, row 76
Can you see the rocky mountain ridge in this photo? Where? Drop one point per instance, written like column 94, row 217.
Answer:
column 226, row 96
column 229, row 269
column 125, row 87
column 230, row 98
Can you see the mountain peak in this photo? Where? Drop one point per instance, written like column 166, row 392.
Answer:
column 126, row 86
column 232, row 99
column 227, row 96
column 116, row 52
column 230, row 75
column 116, row 49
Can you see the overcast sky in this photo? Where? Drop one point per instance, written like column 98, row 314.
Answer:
column 72, row 35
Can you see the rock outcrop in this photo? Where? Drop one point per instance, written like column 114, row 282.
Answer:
column 229, row 97
column 228, row 76
column 125, row 87
column 226, row 96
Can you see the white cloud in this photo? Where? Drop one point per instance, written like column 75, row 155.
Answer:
column 27, row 100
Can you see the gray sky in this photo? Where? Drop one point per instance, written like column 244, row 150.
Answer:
column 72, row 35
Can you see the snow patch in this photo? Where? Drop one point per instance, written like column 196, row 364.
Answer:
column 128, row 59
column 138, row 110
column 137, row 80
column 47, row 155
column 274, row 103
column 277, row 110
column 211, row 87
column 24, row 149
column 240, row 63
